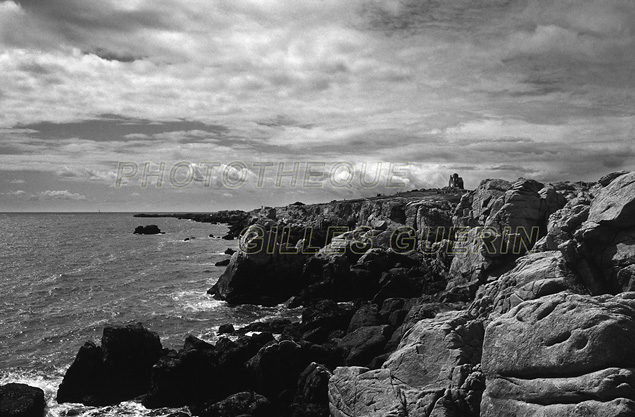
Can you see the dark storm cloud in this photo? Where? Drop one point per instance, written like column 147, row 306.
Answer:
column 116, row 128
column 72, row 18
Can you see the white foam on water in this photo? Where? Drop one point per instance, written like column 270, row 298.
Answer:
column 194, row 301
column 49, row 383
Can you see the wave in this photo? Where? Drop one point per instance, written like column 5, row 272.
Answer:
column 49, row 382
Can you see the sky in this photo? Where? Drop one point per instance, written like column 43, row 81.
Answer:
column 204, row 105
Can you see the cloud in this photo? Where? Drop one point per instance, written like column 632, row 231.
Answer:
column 60, row 195
column 489, row 85
column 18, row 193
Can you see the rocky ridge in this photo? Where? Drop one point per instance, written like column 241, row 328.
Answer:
column 513, row 300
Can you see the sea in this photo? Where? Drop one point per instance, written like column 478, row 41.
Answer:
column 65, row 276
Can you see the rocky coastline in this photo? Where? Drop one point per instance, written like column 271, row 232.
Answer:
column 235, row 219
column 516, row 298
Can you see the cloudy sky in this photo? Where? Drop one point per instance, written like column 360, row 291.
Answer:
column 224, row 93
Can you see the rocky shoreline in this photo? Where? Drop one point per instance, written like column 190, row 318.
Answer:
column 235, row 219
column 511, row 299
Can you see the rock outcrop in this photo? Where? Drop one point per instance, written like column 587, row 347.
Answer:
column 557, row 340
column 267, row 276
column 313, row 250
column 561, row 354
column 117, row 370
column 20, row 400
column 202, row 372
column 502, row 221
column 429, row 371
column 514, row 300
column 152, row 229
column 535, row 275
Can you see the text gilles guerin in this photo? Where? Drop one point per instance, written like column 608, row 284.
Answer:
column 403, row 240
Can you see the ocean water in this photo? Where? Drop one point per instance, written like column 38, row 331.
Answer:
column 63, row 277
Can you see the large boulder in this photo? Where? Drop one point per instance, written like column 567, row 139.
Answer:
column 435, row 370
column 118, row 370
column 357, row 391
column 562, row 354
column 277, row 366
column 535, row 275
column 433, row 347
column 20, row 400
column 615, row 204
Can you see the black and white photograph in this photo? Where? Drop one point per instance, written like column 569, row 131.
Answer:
column 317, row 208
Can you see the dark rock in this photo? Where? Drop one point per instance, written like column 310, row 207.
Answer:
column 201, row 372
column 326, row 314
column 366, row 315
column 129, row 353
column 390, row 305
column 240, row 404
column 400, row 283
column 396, row 318
column 325, row 276
column 118, row 370
column 608, row 178
column 363, row 344
column 264, row 277
column 226, row 328
column 292, row 331
column 378, row 361
column 317, row 335
column 311, row 398
column 229, row 251
column 276, row 367
column 274, row 326
column 336, row 335
column 84, row 380
column 224, row 262
column 152, row 229
column 20, row 400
